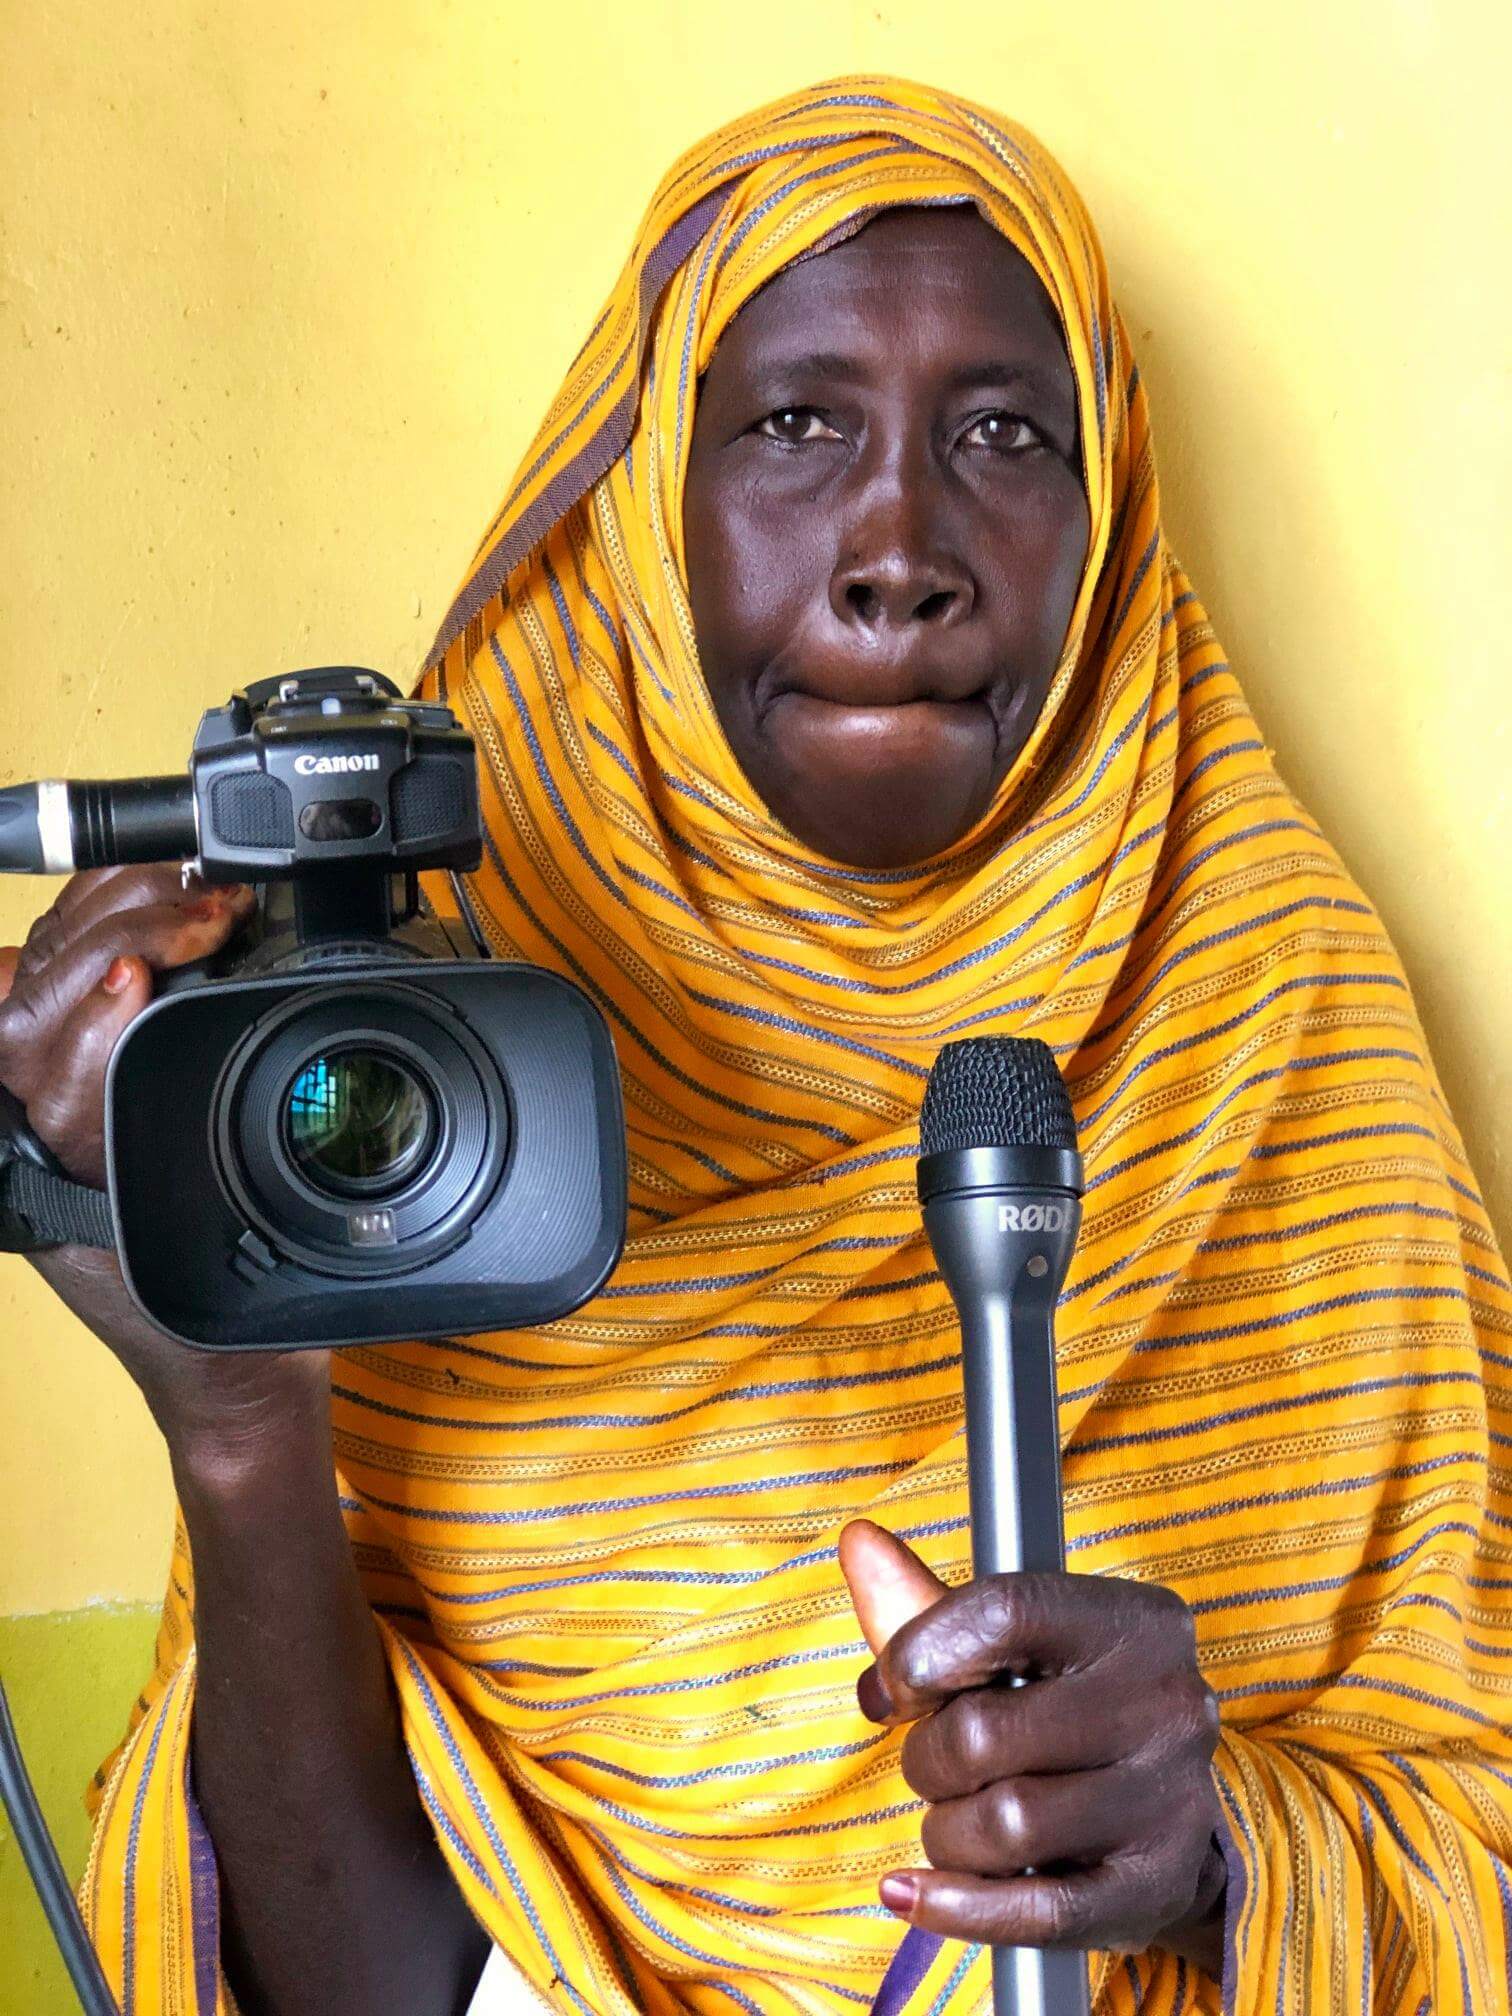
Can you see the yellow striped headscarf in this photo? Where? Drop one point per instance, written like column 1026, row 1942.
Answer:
column 602, row 1555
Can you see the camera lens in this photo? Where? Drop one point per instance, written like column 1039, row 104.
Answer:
column 359, row 1126
column 358, row 1122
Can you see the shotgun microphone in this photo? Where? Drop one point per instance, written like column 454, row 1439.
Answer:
column 1000, row 1180
column 54, row 827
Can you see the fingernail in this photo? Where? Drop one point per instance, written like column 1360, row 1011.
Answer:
column 117, row 977
column 208, row 907
column 899, row 1892
column 872, row 1695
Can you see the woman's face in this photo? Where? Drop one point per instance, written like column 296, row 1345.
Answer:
column 885, row 529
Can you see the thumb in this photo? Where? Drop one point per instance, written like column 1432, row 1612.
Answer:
column 888, row 1582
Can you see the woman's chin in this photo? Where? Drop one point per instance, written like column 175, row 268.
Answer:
column 879, row 787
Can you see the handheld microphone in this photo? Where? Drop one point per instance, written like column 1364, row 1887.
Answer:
column 54, row 827
column 1000, row 1180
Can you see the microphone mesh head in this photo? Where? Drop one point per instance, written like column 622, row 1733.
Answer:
column 996, row 1092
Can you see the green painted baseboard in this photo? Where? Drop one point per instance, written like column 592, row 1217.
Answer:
column 71, row 1677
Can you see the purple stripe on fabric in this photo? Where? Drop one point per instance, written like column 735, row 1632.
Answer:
column 596, row 454
column 786, row 189
column 204, row 1903
column 909, row 1965
column 128, row 1990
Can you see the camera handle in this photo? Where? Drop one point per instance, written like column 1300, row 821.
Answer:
column 40, row 1204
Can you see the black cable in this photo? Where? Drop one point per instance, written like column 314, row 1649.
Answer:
column 470, row 916
column 41, row 1859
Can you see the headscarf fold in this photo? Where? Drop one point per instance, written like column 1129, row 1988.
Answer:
column 601, row 1554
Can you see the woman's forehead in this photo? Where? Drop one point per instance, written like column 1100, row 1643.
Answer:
column 933, row 279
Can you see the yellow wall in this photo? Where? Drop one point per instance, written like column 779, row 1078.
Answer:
column 284, row 288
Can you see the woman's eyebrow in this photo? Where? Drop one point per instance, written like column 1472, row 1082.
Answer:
column 1052, row 388
column 812, row 364
column 996, row 372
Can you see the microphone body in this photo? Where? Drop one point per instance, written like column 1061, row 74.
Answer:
column 1002, row 1215
column 1002, row 1236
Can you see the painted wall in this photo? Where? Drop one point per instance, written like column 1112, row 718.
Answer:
column 70, row 1676
column 284, row 289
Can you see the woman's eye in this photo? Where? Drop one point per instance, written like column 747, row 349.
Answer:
column 792, row 424
column 1005, row 431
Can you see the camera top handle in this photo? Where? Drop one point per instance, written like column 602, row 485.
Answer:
column 326, row 778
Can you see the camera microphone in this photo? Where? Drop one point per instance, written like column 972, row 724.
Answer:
column 1000, row 1181
column 54, row 827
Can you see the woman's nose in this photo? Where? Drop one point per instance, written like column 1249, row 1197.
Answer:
column 895, row 571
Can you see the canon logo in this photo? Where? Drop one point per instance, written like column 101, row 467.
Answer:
column 1033, row 1217
column 333, row 766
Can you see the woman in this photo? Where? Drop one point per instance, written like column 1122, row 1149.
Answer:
column 839, row 696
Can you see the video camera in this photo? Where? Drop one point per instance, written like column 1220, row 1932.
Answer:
column 352, row 1125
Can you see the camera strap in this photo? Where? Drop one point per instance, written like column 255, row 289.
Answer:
column 40, row 1203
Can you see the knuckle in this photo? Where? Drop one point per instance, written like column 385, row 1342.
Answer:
column 1172, row 1612
column 132, row 884
column 85, row 880
column 1001, row 1608
column 975, row 1735
column 125, row 930
column 1207, row 1718
column 119, row 942
column 1186, row 1628
column 932, row 1833
column 1006, row 1823
column 121, row 934
column 907, row 1659
column 1065, row 1914
column 1193, row 1715
column 162, row 888
column 1173, row 1707
column 156, row 877
column 19, row 1031
column 42, row 928
column 920, row 1762
column 922, row 1653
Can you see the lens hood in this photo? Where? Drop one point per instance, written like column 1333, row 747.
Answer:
column 513, row 1215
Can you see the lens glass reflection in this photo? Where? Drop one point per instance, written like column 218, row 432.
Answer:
column 358, row 1121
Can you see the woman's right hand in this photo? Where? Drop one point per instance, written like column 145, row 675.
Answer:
column 67, row 995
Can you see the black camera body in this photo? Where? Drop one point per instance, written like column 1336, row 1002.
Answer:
column 350, row 1127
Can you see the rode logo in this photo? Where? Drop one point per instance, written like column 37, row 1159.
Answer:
column 1033, row 1217
column 333, row 766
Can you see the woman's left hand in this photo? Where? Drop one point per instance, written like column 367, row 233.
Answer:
column 1097, row 1775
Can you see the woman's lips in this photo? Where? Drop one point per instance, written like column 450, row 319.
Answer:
column 908, row 732
column 874, row 688
column 887, row 712
column 820, row 706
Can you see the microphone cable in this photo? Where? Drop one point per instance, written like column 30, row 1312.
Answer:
column 40, row 1855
